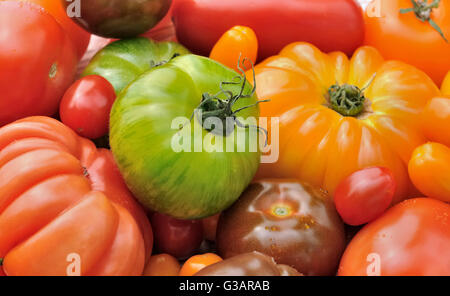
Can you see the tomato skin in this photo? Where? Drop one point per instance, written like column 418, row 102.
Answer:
column 179, row 238
column 248, row 264
column 197, row 263
column 210, row 227
column 446, row 85
column 411, row 239
column 364, row 195
column 429, row 170
column 436, row 120
column 162, row 265
column 86, row 105
column 395, row 36
column 61, row 202
column 79, row 37
column 146, row 146
column 314, row 139
column 123, row 61
column 293, row 222
column 236, row 45
column 200, row 23
column 120, row 18
column 37, row 65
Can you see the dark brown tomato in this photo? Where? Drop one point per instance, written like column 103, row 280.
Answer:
column 292, row 222
column 248, row 264
column 119, row 18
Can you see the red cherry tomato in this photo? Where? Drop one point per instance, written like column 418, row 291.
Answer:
column 179, row 238
column 410, row 239
column 365, row 195
column 86, row 105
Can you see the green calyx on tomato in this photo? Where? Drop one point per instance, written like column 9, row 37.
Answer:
column 123, row 61
column 423, row 10
column 173, row 164
column 347, row 99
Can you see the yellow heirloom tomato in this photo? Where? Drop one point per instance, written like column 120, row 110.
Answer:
column 339, row 115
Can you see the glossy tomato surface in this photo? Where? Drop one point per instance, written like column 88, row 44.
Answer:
column 179, row 238
column 171, row 160
column 329, row 24
column 37, row 58
column 162, row 265
column 118, row 18
column 86, row 105
column 411, row 239
column 294, row 223
column 365, row 195
column 405, row 37
column 429, row 169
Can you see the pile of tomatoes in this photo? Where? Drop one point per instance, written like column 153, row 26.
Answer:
column 141, row 163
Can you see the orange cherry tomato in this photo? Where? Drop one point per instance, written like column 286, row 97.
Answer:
column 339, row 115
column 429, row 169
column 197, row 263
column 237, row 43
column 405, row 37
column 162, row 265
column 446, row 85
column 63, row 204
column 436, row 120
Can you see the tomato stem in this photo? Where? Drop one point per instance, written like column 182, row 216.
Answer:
column 422, row 9
column 347, row 99
column 212, row 106
column 1, row 261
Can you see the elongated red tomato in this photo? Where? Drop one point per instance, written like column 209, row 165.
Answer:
column 365, row 195
column 329, row 24
column 37, row 61
column 64, row 208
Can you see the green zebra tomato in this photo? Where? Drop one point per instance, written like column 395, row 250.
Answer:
column 123, row 61
column 179, row 162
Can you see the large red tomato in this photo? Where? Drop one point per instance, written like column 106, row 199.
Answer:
column 38, row 61
column 62, row 202
column 79, row 37
column 412, row 238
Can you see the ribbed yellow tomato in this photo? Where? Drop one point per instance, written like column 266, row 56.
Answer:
column 339, row 115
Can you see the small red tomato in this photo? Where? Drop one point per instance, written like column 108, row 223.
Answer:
column 86, row 105
column 179, row 238
column 365, row 195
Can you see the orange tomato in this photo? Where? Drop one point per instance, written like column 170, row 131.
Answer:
column 237, row 43
column 162, row 265
column 405, row 37
column 79, row 37
column 322, row 146
column 64, row 204
column 429, row 169
column 446, row 85
column 436, row 120
column 197, row 263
